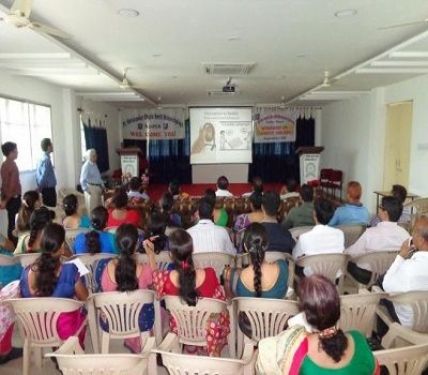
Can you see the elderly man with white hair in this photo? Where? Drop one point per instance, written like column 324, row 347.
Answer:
column 91, row 181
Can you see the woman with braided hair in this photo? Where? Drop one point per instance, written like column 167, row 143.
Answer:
column 313, row 344
column 260, row 279
column 189, row 284
column 123, row 274
column 31, row 242
column 48, row 277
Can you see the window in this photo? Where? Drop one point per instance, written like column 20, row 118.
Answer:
column 26, row 124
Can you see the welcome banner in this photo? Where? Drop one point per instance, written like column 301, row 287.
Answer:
column 154, row 124
column 275, row 125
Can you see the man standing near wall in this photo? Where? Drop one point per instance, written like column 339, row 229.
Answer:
column 45, row 175
column 11, row 186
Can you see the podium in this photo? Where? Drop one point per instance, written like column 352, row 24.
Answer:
column 309, row 161
column 129, row 162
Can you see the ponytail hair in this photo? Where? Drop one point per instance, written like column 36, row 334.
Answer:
column 70, row 204
column 255, row 242
column 29, row 202
column 125, row 273
column 181, row 247
column 320, row 302
column 99, row 216
column 47, row 264
column 38, row 220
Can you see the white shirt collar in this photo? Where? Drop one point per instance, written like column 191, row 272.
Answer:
column 205, row 221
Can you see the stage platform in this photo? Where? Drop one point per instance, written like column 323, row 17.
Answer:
column 156, row 190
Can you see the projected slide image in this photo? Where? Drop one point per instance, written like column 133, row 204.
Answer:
column 234, row 136
column 220, row 135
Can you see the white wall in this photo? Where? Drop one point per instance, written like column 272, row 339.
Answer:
column 353, row 134
column 345, row 128
column 103, row 111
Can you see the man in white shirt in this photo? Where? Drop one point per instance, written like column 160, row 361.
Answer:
column 409, row 272
column 208, row 237
column 387, row 235
column 222, row 186
column 321, row 239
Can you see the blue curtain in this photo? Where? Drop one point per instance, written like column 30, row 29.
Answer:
column 277, row 162
column 97, row 138
column 169, row 159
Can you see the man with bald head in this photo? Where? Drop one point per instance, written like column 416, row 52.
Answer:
column 409, row 270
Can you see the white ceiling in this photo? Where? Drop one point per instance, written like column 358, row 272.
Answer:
column 292, row 43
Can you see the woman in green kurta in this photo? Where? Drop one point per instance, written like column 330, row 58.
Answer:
column 220, row 216
column 313, row 344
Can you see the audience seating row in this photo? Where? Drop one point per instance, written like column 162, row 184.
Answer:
column 267, row 317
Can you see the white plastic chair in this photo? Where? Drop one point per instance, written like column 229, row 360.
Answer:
column 216, row 260
column 379, row 262
column 71, row 234
column 163, row 260
column 184, row 364
column 327, row 265
column 411, row 360
column 6, row 260
column 121, row 311
column 352, row 233
column 358, row 312
column 192, row 320
column 91, row 261
column 37, row 320
column 296, row 232
column 267, row 317
column 72, row 360
column 27, row 259
column 418, row 303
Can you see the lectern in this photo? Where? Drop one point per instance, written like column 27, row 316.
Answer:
column 309, row 163
column 130, row 162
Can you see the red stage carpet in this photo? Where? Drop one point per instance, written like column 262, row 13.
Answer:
column 156, row 190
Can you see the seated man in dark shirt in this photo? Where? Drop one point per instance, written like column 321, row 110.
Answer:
column 279, row 238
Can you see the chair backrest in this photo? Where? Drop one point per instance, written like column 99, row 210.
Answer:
column 7, row 260
column 325, row 264
column 379, row 262
column 73, row 361
column 418, row 303
column 71, row 234
column 410, row 360
column 352, row 233
column 184, row 364
column 296, row 232
column 192, row 320
column 91, row 261
column 37, row 317
column 218, row 261
column 122, row 310
column 163, row 260
column 267, row 317
column 27, row 259
column 358, row 312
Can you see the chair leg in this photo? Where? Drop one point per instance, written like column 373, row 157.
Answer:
column 38, row 356
column 26, row 358
column 105, row 341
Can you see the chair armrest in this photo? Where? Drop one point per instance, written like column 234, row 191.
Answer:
column 169, row 343
column 70, row 346
column 397, row 331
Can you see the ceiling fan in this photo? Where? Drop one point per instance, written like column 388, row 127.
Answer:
column 405, row 24
column 19, row 16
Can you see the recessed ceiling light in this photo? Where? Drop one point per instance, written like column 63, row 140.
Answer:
column 128, row 12
column 346, row 13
